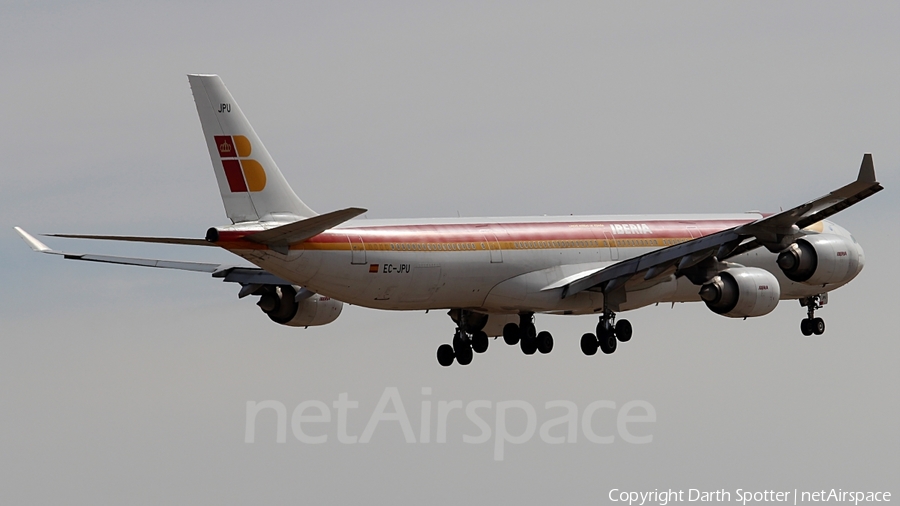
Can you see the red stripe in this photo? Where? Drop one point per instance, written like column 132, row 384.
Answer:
column 572, row 231
column 514, row 232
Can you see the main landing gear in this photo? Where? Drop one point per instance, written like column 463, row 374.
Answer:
column 813, row 324
column 466, row 341
column 609, row 334
column 526, row 336
column 464, row 347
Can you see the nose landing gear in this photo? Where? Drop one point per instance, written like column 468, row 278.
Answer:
column 813, row 324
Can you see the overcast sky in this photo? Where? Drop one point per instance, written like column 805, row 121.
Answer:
column 129, row 385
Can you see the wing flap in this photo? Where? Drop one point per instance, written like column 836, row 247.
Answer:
column 249, row 275
column 660, row 260
column 569, row 279
column 141, row 262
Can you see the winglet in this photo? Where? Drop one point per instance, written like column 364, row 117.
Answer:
column 34, row 243
column 867, row 170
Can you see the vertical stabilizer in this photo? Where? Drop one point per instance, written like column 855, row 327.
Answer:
column 251, row 185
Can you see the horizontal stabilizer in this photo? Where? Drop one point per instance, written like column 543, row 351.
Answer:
column 299, row 231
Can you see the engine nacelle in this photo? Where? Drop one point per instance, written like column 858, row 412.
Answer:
column 820, row 259
column 278, row 302
column 740, row 292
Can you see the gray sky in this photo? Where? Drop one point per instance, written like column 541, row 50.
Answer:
column 130, row 385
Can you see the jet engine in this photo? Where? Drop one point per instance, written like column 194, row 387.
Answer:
column 280, row 304
column 739, row 292
column 820, row 259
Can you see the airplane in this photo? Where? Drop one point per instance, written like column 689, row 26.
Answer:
column 493, row 275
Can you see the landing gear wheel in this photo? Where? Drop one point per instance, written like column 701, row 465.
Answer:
column 818, row 326
column 464, row 356
column 544, row 342
column 511, row 334
column 605, row 330
column 589, row 344
column 479, row 342
column 806, row 327
column 529, row 344
column 606, row 337
column 608, row 343
column 462, row 348
column 623, row 330
column 445, row 355
column 529, row 331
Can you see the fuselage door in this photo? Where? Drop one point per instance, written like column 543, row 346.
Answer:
column 357, row 249
column 491, row 243
column 613, row 245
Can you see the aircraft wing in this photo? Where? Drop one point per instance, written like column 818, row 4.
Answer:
column 133, row 238
column 775, row 232
column 229, row 273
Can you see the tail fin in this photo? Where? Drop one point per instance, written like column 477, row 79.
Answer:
column 252, row 187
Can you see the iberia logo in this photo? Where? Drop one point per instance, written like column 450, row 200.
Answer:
column 243, row 174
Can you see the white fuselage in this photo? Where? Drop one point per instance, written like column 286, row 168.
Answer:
column 501, row 265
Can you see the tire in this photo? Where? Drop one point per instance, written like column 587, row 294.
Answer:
column 529, row 331
column 589, row 344
column 818, row 326
column 465, row 357
column 479, row 342
column 445, row 355
column 806, row 327
column 511, row 334
column 608, row 344
column 544, row 342
column 603, row 331
column 529, row 345
column 623, row 330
